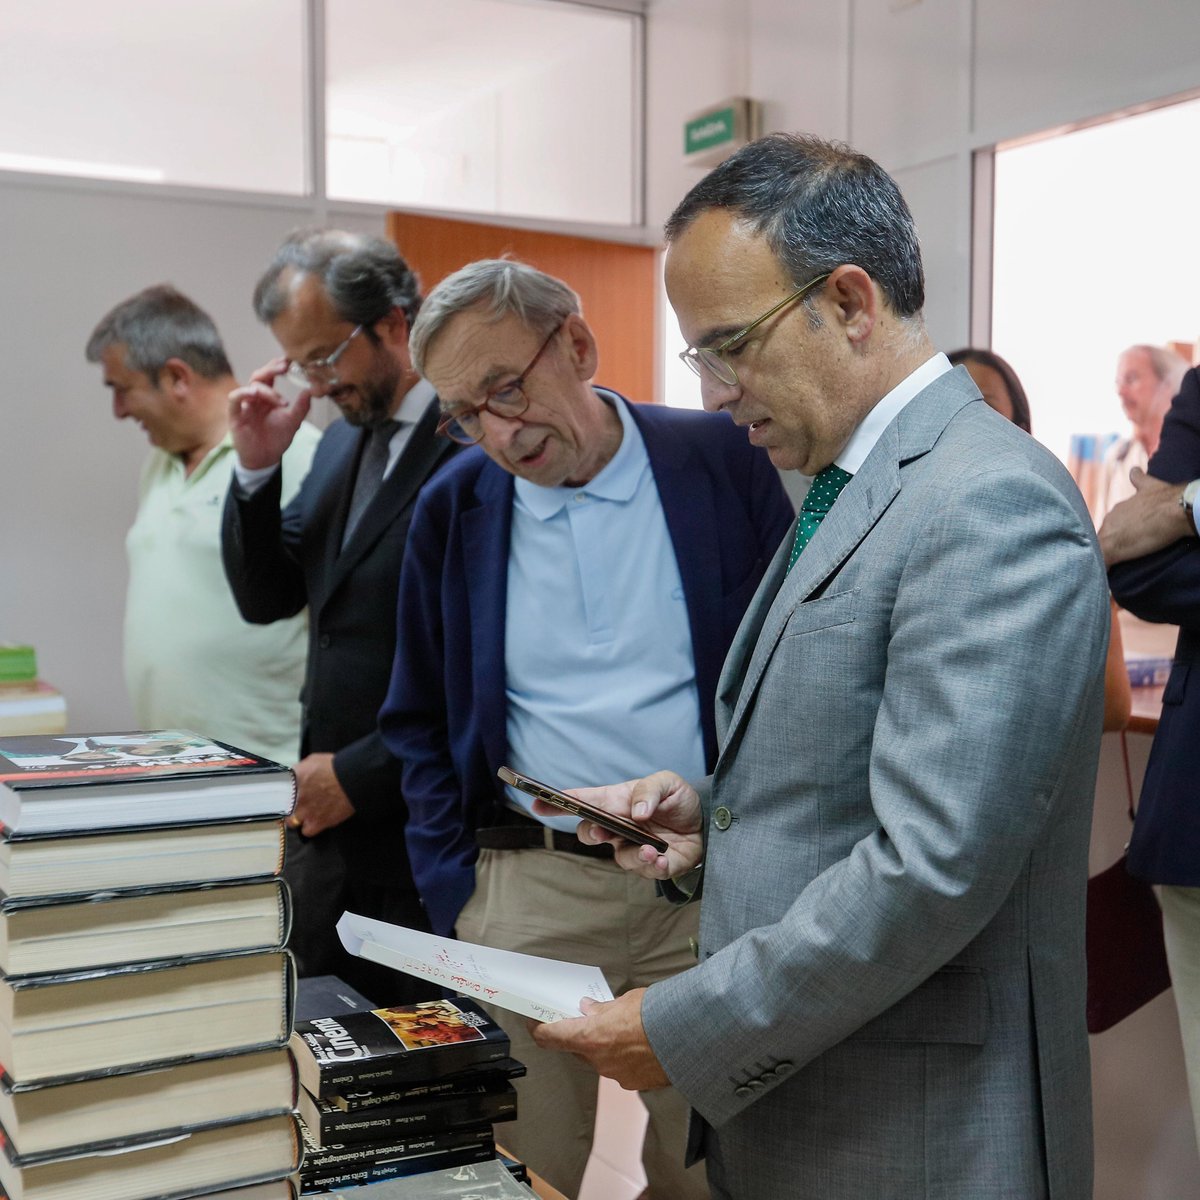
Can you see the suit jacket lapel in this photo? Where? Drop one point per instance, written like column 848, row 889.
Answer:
column 420, row 455
column 330, row 508
column 865, row 499
column 486, row 531
column 689, row 508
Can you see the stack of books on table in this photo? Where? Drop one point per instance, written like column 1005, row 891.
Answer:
column 400, row 1091
column 145, row 997
column 27, row 704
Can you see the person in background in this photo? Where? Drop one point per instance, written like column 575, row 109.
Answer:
column 1152, row 549
column 1148, row 378
column 998, row 382
column 340, row 305
column 191, row 660
column 892, row 847
column 569, row 592
column 1002, row 389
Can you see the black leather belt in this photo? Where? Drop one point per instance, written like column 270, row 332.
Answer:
column 533, row 835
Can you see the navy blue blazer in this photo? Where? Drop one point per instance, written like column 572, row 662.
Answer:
column 445, row 714
column 1165, row 586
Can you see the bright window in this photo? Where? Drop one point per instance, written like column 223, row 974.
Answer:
column 509, row 107
column 204, row 92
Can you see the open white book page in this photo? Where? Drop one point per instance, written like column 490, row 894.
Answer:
column 541, row 988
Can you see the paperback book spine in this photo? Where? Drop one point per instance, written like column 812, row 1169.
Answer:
column 333, row 1126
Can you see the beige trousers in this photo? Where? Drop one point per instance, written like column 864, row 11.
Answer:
column 1181, row 932
column 583, row 910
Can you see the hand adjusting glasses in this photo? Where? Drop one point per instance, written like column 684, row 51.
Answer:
column 712, row 360
column 320, row 372
column 508, row 400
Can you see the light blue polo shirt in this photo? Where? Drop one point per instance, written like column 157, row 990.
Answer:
column 600, row 676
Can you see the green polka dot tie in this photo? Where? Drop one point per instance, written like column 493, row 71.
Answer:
column 826, row 487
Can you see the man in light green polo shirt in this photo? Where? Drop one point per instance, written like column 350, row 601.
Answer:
column 191, row 661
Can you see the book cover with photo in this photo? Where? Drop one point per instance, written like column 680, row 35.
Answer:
column 395, row 1045
column 74, row 783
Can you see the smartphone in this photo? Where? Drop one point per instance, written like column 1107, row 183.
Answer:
column 606, row 820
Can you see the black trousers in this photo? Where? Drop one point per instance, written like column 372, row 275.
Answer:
column 323, row 886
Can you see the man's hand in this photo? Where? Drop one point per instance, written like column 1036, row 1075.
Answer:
column 664, row 803
column 261, row 422
column 320, row 802
column 609, row 1036
column 1147, row 521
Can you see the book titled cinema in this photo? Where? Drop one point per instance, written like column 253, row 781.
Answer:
column 395, row 1045
column 75, row 784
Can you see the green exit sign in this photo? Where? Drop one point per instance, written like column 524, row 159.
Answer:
column 712, row 135
column 708, row 131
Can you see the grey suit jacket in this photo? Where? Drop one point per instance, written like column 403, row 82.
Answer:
column 890, row 999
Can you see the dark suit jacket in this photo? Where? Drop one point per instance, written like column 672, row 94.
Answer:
column 445, row 713
column 279, row 562
column 1165, row 586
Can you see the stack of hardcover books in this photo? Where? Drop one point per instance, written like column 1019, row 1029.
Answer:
column 400, row 1091
column 145, row 996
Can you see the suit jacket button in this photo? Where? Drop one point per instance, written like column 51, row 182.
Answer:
column 783, row 1068
column 757, row 1085
column 324, row 641
column 743, row 1091
column 722, row 818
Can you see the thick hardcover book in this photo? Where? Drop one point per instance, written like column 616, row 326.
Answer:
column 345, row 1166
column 108, row 928
column 34, row 868
column 493, row 1076
column 330, row 1126
column 72, row 784
column 111, row 1110
column 395, row 1045
column 59, row 1027
column 228, row 1156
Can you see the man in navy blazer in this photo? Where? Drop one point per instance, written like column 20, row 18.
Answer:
column 340, row 306
column 568, row 594
column 1150, row 543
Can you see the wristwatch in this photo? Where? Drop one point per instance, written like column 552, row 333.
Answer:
column 1187, row 501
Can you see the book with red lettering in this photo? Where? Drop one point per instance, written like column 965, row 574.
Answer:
column 395, row 1045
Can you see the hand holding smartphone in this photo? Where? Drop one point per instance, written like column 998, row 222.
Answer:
column 606, row 820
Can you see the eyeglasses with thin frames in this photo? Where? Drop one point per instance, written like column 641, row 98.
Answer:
column 712, row 358
column 508, row 400
column 320, row 372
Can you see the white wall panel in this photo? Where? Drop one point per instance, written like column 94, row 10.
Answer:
column 938, row 193
column 909, row 83
column 1038, row 64
column 799, row 64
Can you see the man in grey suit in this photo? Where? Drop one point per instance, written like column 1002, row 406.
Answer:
column 889, row 998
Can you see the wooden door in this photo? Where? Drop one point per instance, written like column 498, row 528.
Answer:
column 617, row 282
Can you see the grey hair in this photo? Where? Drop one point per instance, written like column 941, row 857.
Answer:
column 1168, row 367
column 501, row 286
column 364, row 277
column 818, row 204
column 157, row 324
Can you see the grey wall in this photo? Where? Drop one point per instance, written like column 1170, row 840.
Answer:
column 68, row 471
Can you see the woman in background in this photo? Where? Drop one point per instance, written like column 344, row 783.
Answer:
column 1003, row 391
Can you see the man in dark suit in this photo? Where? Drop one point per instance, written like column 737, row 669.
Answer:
column 1150, row 544
column 570, row 589
column 340, row 305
